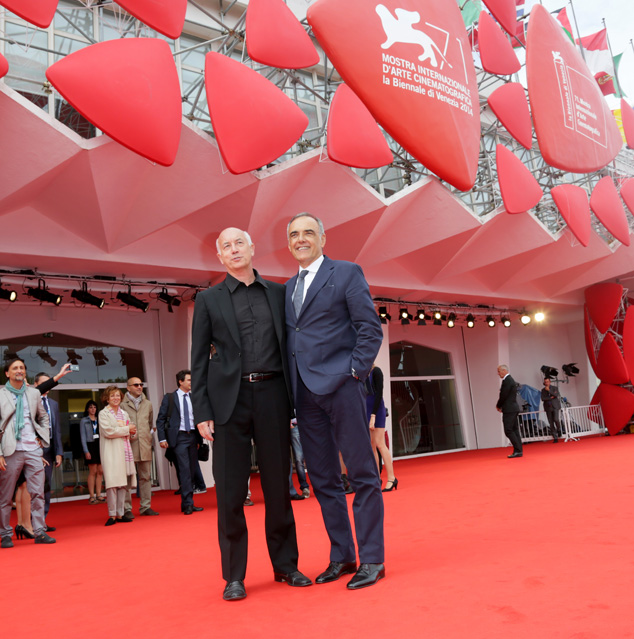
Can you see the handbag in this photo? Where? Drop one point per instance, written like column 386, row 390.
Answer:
column 203, row 452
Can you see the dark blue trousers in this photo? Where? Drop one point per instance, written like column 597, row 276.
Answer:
column 186, row 453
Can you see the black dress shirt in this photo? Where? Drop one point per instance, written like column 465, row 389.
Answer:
column 259, row 345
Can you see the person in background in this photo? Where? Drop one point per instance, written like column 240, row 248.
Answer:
column 552, row 406
column 508, row 406
column 89, row 433
column 298, row 456
column 376, row 419
column 117, row 460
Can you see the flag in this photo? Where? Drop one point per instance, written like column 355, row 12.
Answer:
column 470, row 10
column 599, row 60
column 519, row 7
column 562, row 16
column 617, row 61
column 520, row 34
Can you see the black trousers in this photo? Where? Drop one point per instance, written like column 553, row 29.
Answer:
column 262, row 413
column 553, row 421
column 512, row 430
column 186, row 451
column 47, row 454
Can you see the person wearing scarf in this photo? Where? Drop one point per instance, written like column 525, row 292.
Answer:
column 117, row 459
column 24, row 432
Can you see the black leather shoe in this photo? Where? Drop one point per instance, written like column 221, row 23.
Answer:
column 297, row 497
column 127, row 516
column 149, row 513
column 111, row 521
column 515, row 455
column 197, row 509
column 234, row 591
column 294, row 578
column 6, row 542
column 50, row 529
column 335, row 570
column 188, row 510
column 367, row 575
column 43, row 538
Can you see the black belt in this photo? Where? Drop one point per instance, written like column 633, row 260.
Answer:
column 258, row 377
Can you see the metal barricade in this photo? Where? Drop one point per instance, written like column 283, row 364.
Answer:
column 576, row 421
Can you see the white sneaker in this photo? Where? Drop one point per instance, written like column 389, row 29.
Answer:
column 306, row 493
column 200, row 491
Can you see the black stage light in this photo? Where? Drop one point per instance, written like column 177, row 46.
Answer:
column 73, row 356
column 9, row 355
column 420, row 314
column 170, row 300
column 7, row 294
column 506, row 321
column 404, row 315
column 43, row 295
column 437, row 315
column 45, row 357
column 384, row 315
column 570, row 369
column 451, row 321
column 129, row 300
column 525, row 318
column 549, row 372
column 100, row 357
column 490, row 321
column 437, row 321
column 470, row 320
column 83, row 296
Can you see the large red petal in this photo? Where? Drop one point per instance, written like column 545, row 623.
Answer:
column 617, row 406
column 603, row 302
column 496, row 53
column 165, row 16
column 509, row 104
column 611, row 366
column 520, row 190
column 4, row 66
column 129, row 89
column 572, row 202
column 607, row 206
column 37, row 12
column 254, row 121
column 627, row 116
column 505, row 13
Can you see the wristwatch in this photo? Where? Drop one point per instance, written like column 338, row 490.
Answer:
column 354, row 374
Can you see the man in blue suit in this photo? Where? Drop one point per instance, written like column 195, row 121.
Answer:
column 54, row 454
column 333, row 337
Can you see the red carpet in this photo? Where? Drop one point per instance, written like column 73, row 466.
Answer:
column 478, row 546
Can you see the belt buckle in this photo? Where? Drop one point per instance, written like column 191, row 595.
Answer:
column 254, row 377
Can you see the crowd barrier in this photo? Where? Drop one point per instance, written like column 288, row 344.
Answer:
column 576, row 422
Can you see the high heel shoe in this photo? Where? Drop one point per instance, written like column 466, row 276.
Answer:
column 394, row 485
column 22, row 533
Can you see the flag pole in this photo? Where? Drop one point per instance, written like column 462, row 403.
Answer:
column 574, row 17
column 616, row 75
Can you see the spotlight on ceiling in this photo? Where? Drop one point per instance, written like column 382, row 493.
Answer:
column 437, row 316
column 7, row 294
column 43, row 295
column 129, row 300
column 470, row 320
column 570, row 369
column 451, row 321
column 506, row 321
column 45, row 357
column 73, row 356
column 170, row 300
column 539, row 317
column 490, row 321
column 100, row 357
column 83, row 296
column 525, row 318
column 384, row 315
column 549, row 372
column 420, row 314
column 9, row 355
column 404, row 315
column 437, row 320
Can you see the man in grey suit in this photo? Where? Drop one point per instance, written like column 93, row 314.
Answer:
column 24, row 432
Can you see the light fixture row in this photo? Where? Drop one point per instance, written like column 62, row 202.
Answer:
column 438, row 317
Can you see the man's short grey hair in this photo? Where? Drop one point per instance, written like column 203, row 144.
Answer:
column 503, row 367
column 320, row 224
column 249, row 242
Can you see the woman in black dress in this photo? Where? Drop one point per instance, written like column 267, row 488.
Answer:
column 89, row 431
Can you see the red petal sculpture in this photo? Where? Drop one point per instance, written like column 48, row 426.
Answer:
column 254, row 121
column 276, row 38
column 628, row 340
column 510, row 106
column 627, row 193
column 607, row 206
column 587, row 332
column 611, row 366
column 617, row 406
column 575, row 128
column 4, row 66
column 165, row 16
column 520, row 190
column 410, row 64
column 129, row 89
column 603, row 302
column 572, row 202
column 505, row 13
column 627, row 116
column 354, row 138
column 496, row 52
column 37, row 12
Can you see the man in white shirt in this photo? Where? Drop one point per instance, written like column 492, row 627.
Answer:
column 24, row 432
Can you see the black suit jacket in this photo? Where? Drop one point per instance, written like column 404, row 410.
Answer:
column 168, row 429
column 56, row 447
column 507, row 401
column 216, row 364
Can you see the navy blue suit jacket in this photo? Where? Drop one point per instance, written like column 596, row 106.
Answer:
column 337, row 330
column 168, row 429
